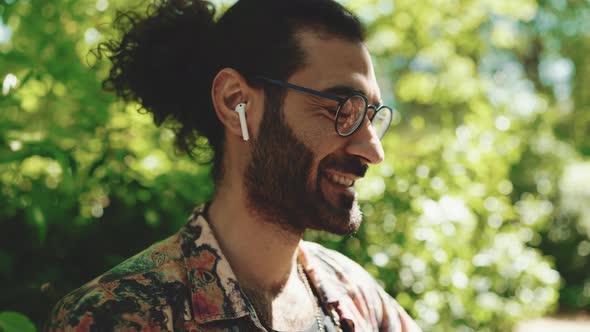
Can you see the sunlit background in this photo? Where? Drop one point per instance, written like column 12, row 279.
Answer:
column 479, row 217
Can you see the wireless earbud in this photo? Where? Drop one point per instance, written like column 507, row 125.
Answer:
column 241, row 109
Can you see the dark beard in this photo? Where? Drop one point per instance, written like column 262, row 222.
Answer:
column 277, row 180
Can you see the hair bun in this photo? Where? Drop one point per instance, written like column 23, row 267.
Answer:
column 164, row 61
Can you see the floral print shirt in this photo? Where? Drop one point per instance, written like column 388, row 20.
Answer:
column 184, row 283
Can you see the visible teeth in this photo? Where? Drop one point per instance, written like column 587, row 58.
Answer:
column 341, row 180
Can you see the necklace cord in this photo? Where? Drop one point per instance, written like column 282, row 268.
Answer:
column 318, row 316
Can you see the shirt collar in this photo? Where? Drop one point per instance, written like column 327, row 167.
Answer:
column 215, row 292
column 327, row 282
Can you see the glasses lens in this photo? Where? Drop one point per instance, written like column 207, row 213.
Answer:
column 381, row 120
column 350, row 115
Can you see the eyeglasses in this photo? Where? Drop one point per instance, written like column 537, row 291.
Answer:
column 351, row 110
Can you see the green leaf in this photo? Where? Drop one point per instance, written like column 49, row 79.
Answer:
column 11, row 321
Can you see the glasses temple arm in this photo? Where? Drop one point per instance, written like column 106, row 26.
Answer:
column 303, row 89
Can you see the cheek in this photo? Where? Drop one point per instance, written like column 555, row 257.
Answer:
column 316, row 151
column 254, row 116
column 322, row 149
column 310, row 125
column 319, row 137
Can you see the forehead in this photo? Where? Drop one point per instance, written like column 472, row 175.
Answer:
column 332, row 61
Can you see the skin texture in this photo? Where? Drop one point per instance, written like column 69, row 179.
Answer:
column 281, row 160
column 275, row 185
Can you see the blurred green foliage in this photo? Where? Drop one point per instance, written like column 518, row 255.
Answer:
column 14, row 321
column 479, row 217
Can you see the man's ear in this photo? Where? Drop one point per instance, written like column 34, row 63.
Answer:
column 229, row 89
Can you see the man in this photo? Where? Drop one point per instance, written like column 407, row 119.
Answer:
column 284, row 93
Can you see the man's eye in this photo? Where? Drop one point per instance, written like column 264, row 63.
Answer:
column 341, row 116
column 332, row 111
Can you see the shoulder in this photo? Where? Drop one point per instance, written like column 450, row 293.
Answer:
column 145, row 291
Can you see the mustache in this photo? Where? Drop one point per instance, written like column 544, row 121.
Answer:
column 347, row 164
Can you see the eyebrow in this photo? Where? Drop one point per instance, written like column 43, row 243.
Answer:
column 346, row 90
column 343, row 90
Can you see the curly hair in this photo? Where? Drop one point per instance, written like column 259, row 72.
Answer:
column 167, row 58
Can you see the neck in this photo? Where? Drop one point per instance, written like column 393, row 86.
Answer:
column 262, row 254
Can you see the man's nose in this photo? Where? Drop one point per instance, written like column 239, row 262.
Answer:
column 365, row 144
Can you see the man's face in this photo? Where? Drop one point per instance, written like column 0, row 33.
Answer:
column 301, row 170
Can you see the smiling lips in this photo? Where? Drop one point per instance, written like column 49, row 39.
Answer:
column 341, row 180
